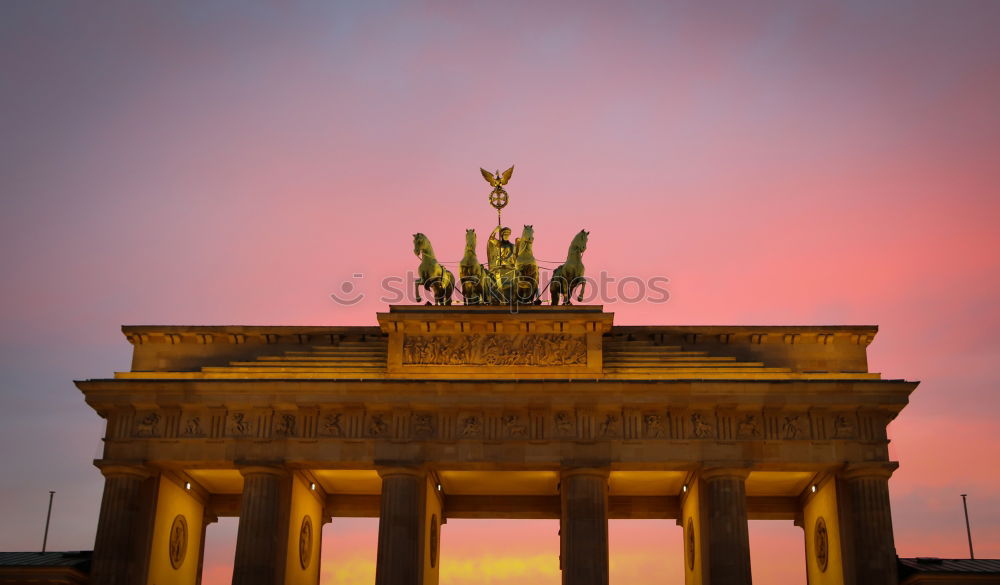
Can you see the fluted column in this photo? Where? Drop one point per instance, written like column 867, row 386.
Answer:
column 400, row 527
column 584, row 527
column 121, row 545
column 727, row 541
column 867, row 523
column 262, row 536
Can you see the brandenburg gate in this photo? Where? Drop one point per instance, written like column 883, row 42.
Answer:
column 499, row 408
column 479, row 411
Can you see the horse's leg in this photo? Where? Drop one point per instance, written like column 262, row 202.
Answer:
column 416, row 287
column 583, row 285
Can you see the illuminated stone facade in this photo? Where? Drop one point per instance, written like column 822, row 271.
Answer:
column 479, row 412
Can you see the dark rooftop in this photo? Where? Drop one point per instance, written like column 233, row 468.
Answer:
column 909, row 566
column 79, row 559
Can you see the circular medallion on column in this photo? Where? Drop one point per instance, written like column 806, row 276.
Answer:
column 305, row 542
column 821, row 541
column 178, row 541
column 690, row 543
column 433, row 548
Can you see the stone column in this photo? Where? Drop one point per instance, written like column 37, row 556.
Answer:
column 583, row 528
column 726, row 540
column 400, row 527
column 261, row 539
column 122, row 542
column 870, row 553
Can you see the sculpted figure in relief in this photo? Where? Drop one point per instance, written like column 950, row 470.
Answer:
column 240, row 426
column 792, row 427
column 331, row 425
column 843, row 428
column 513, row 426
column 654, row 425
column 700, row 428
column 749, row 427
column 423, row 425
column 377, row 426
column 285, row 425
column 471, row 427
column 564, row 424
column 148, row 426
column 609, row 427
column 193, row 426
column 495, row 350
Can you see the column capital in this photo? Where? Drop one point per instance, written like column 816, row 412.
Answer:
column 248, row 468
column 723, row 472
column 873, row 470
column 391, row 470
column 124, row 468
column 601, row 472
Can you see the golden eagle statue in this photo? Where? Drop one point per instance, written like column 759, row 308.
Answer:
column 497, row 180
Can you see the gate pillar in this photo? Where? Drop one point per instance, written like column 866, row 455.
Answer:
column 260, row 551
column 866, row 521
column 583, row 526
column 121, row 546
column 280, row 533
column 716, row 540
column 408, row 528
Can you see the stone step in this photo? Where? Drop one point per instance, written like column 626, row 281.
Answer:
column 316, row 358
column 661, row 359
column 632, row 346
column 696, row 370
column 697, row 364
column 381, row 341
column 336, row 353
column 257, row 369
column 329, row 356
column 279, row 364
column 643, row 354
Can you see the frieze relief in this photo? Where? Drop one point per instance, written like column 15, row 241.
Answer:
column 794, row 426
column 240, row 424
column 749, row 427
column 470, row 426
column 701, row 426
column 193, row 427
column 565, row 424
column 844, row 427
column 148, row 425
column 284, row 424
column 653, row 426
column 495, row 350
column 537, row 424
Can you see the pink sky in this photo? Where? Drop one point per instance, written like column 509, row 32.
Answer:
column 780, row 163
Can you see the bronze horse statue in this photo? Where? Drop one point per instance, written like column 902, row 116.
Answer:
column 433, row 276
column 524, row 289
column 476, row 282
column 569, row 275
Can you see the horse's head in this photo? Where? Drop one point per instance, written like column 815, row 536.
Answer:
column 419, row 243
column 528, row 234
column 470, row 238
column 580, row 241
